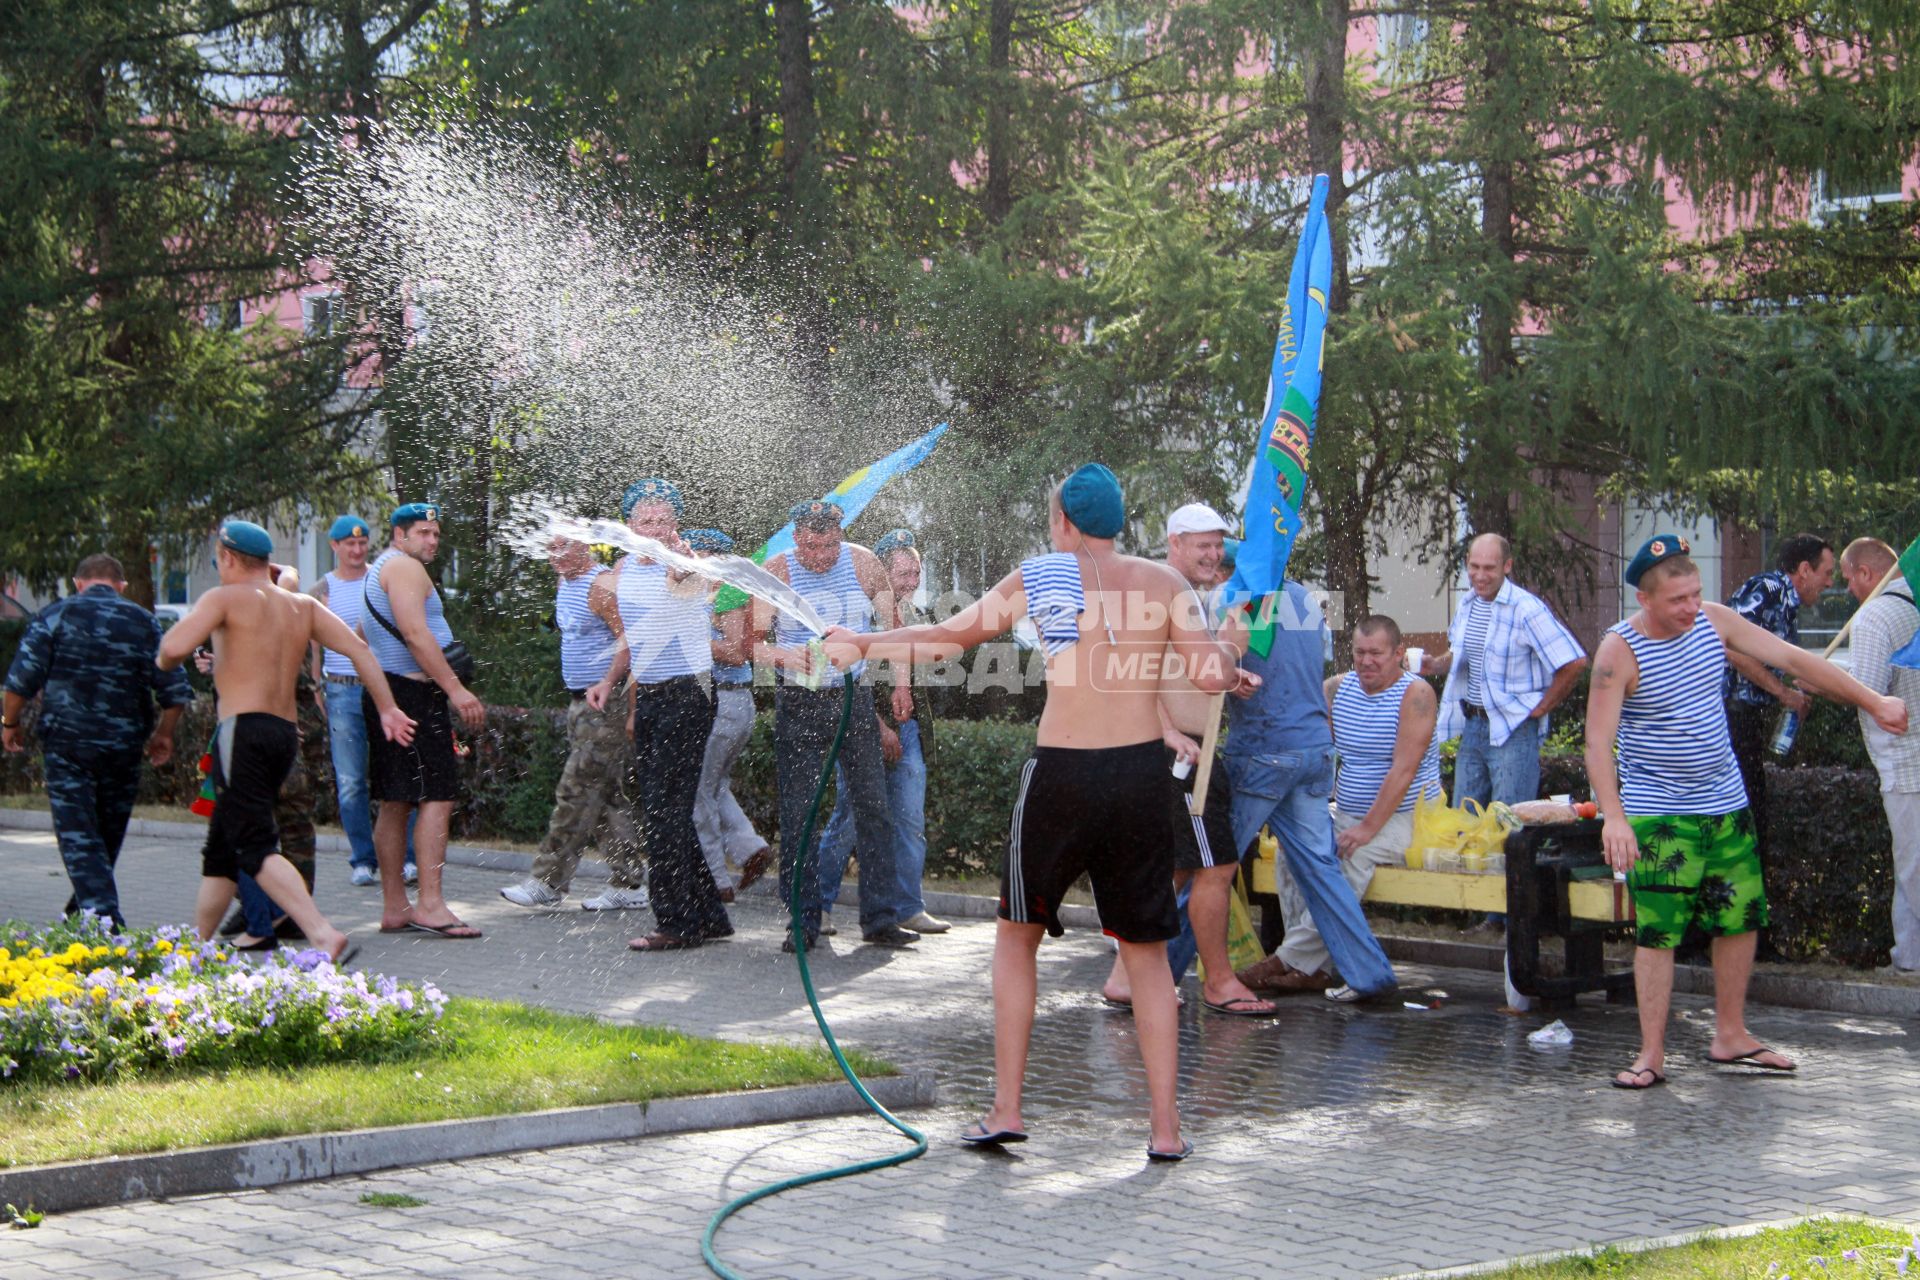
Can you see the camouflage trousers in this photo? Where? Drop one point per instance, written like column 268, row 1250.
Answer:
column 92, row 799
column 591, row 805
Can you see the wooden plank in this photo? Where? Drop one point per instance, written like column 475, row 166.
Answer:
column 1209, row 745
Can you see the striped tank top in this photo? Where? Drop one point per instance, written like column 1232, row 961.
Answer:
column 1365, row 726
column 1675, row 753
column 666, row 634
column 836, row 595
column 1473, row 647
column 1055, row 598
column 586, row 641
column 344, row 598
column 389, row 650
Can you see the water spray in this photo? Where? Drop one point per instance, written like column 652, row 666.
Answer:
column 749, row 577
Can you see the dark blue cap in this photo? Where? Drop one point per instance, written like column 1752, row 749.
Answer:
column 404, row 516
column 652, row 489
column 895, row 540
column 707, row 540
column 817, row 513
column 1091, row 498
column 246, row 537
column 348, row 527
column 1661, row 546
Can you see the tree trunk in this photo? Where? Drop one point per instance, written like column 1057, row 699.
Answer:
column 793, row 47
column 999, row 194
column 1487, row 493
column 1344, row 512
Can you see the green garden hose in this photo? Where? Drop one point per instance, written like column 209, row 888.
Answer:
column 799, row 936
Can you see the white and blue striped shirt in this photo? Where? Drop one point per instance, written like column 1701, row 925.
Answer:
column 1055, row 598
column 1365, row 728
column 586, row 641
column 1474, row 650
column 344, row 599
column 1675, row 753
column 668, row 635
column 1525, row 645
column 389, row 650
column 835, row 595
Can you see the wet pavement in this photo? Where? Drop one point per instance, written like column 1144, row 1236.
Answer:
column 1331, row 1141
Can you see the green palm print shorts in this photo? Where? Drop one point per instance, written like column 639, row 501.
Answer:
column 1696, row 869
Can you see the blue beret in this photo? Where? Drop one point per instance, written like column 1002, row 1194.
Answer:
column 652, row 489
column 347, row 527
column 246, row 537
column 707, row 540
column 404, row 516
column 895, row 540
column 817, row 513
column 1091, row 499
column 1661, row 546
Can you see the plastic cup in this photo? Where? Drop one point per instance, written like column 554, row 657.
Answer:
column 1181, row 768
column 1415, row 657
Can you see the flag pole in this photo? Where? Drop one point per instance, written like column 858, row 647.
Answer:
column 1209, row 745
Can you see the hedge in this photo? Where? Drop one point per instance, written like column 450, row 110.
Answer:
column 1829, row 875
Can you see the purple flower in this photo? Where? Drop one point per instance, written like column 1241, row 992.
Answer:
column 73, row 1072
column 176, row 1046
column 12, row 1066
column 405, row 1000
column 223, row 1028
column 336, row 1012
column 1899, row 1263
column 1851, row 1255
column 268, row 1020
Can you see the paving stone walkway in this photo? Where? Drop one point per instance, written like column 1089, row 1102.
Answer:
column 1333, row 1142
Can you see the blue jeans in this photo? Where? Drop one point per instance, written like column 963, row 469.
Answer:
column 1288, row 791
column 347, row 737
column 907, row 801
column 1508, row 773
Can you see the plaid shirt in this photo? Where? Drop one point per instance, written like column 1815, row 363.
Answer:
column 1526, row 644
column 1769, row 602
column 1879, row 630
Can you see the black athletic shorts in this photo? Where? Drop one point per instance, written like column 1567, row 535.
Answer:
column 1105, row 812
column 1205, row 840
column 252, row 755
column 426, row 769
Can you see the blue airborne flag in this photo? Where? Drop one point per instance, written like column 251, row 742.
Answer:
column 1279, row 484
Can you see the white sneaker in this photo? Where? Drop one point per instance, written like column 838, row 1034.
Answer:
column 410, row 874
column 612, row 899
column 924, row 923
column 533, row 893
column 826, row 925
column 364, row 876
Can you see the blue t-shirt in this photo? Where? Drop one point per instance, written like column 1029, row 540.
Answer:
column 1289, row 713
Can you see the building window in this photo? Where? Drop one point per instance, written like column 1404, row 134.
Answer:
column 319, row 313
column 225, row 317
column 1402, row 37
column 1852, row 187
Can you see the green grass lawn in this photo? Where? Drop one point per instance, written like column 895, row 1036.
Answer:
column 498, row 1058
column 1811, row 1249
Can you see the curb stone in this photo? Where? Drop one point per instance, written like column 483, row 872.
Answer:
column 252, row 1166
column 1823, row 994
column 1644, row 1245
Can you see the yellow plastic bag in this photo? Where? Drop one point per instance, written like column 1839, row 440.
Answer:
column 1484, row 837
column 1437, row 828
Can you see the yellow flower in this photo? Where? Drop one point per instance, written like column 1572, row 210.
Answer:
column 120, row 951
column 162, row 946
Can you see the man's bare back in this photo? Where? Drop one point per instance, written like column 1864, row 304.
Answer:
column 259, row 646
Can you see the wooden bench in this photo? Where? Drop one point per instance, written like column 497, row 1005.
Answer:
column 1556, row 885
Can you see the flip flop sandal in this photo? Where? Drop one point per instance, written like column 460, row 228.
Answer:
column 347, row 955
column 755, row 866
column 458, row 930
column 662, row 942
column 980, row 1136
column 1751, row 1058
column 1637, row 1072
column 1172, row 1157
column 258, row 944
column 1232, row 1008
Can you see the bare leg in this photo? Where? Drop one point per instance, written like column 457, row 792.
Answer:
column 285, row 886
column 1207, row 911
column 1157, row 1018
column 430, row 856
column 216, row 895
column 1732, row 967
column 390, row 844
column 1653, row 989
column 1015, row 985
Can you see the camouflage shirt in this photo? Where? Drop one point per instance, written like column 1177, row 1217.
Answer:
column 91, row 654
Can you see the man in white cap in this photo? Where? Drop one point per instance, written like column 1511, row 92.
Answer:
column 1205, row 860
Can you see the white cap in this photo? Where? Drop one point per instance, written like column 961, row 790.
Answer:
column 1196, row 517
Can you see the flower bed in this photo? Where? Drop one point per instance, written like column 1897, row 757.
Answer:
column 80, row 1001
